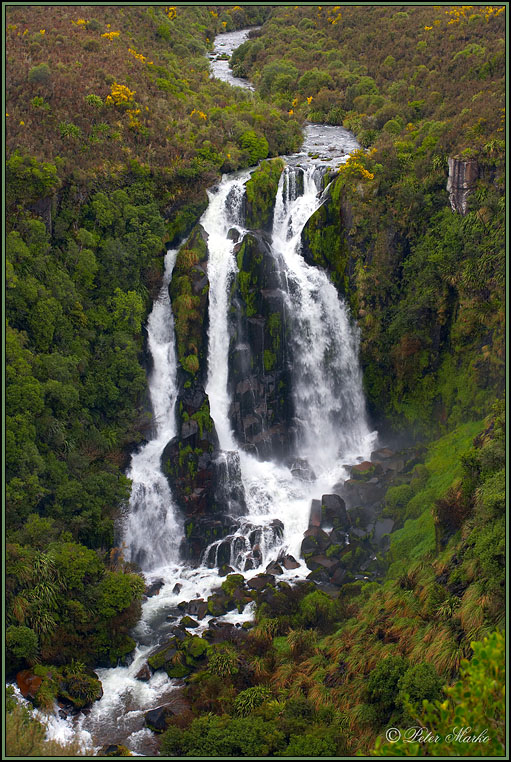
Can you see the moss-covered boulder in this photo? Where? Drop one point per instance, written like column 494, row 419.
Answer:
column 261, row 191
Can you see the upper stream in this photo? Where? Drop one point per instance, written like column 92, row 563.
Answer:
column 331, row 425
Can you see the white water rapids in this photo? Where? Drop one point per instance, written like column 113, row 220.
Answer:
column 332, row 431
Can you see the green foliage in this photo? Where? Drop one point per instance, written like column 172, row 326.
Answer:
column 256, row 146
column 223, row 661
column 222, row 736
column 383, row 686
column 261, row 191
column 40, row 74
column 249, row 699
column 475, row 703
column 22, row 641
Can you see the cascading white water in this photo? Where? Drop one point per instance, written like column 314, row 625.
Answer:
column 224, row 212
column 327, row 381
column 152, row 532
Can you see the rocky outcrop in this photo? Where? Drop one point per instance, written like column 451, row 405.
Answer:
column 463, row 174
column 258, row 365
column 205, row 482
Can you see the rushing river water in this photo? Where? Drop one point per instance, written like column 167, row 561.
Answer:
column 326, row 377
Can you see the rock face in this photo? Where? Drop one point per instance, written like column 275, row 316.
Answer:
column 462, row 176
column 261, row 411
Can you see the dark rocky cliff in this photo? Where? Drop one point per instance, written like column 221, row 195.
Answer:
column 463, row 174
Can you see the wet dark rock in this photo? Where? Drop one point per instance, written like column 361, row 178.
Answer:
column 224, row 570
column 382, row 527
column 337, row 537
column 157, row 719
column 334, row 511
column 154, row 588
column 322, row 561
column 338, row 576
column 187, row 621
column 161, row 657
column 315, row 539
column 382, row 454
column 361, row 493
column 274, row 568
column 260, row 582
column 289, row 562
column 233, row 235
column 315, row 514
column 144, row 673
column 177, row 588
column 62, row 714
column 300, row 469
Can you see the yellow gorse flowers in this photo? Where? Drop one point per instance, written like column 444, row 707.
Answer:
column 120, row 94
column 171, row 12
column 139, row 56
column 353, row 166
column 199, row 114
column 111, row 35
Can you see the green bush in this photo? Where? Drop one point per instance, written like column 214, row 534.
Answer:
column 40, row 75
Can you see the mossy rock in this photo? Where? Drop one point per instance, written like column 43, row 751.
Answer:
column 232, row 582
column 178, row 670
column 163, row 656
column 187, row 621
column 195, row 648
column 261, row 191
column 217, row 604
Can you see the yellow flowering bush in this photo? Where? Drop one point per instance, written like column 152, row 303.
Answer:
column 198, row 114
column 120, row 95
column 139, row 56
column 354, row 167
column 111, row 35
column 171, row 12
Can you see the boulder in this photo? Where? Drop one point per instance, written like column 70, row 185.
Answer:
column 260, row 582
column 157, row 719
column 333, row 509
column 315, row 514
column 323, row 562
column 289, row 562
column 315, row 539
column 338, row 576
column 382, row 454
column 144, row 673
column 154, row 588
column 187, row 621
column 224, row 570
column 177, row 588
column 161, row 657
column 197, row 608
column 28, row 683
column 274, row 568
column 114, row 750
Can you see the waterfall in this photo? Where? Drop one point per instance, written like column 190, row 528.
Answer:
column 152, row 531
column 328, row 397
column 225, row 211
column 327, row 383
column 270, row 501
